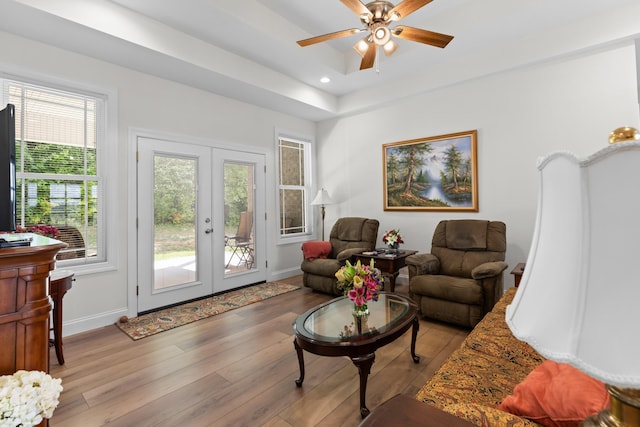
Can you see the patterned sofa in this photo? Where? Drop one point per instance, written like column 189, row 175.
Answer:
column 484, row 370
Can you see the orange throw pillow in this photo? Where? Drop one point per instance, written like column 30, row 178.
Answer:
column 557, row 395
column 312, row 250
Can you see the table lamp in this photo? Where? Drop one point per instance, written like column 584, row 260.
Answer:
column 579, row 298
column 322, row 198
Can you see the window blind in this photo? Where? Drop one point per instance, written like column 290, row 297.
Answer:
column 58, row 136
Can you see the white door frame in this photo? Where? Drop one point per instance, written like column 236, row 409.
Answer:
column 150, row 297
column 131, row 259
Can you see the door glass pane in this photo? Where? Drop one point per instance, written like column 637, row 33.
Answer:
column 174, row 209
column 239, row 217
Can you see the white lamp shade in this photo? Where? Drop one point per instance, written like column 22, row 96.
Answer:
column 579, row 297
column 322, row 198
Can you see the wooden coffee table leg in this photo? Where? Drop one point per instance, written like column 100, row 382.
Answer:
column 300, row 362
column 364, row 364
column 414, row 335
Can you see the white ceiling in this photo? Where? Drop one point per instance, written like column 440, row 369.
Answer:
column 246, row 49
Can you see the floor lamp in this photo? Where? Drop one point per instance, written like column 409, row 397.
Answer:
column 322, row 199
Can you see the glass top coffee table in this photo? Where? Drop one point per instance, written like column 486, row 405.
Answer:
column 330, row 329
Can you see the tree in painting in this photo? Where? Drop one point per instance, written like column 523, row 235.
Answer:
column 393, row 168
column 413, row 159
column 452, row 162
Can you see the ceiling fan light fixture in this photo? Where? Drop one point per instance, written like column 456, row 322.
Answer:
column 362, row 46
column 390, row 47
column 376, row 17
column 381, row 35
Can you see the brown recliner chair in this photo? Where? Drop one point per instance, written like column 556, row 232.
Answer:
column 348, row 237
column 461, row 279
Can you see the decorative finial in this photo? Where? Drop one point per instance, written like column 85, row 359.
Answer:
column 622, row 134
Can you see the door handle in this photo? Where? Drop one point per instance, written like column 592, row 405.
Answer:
column 209, row 230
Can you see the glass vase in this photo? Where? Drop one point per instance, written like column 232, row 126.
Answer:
column 361, row 318
column 393, row 248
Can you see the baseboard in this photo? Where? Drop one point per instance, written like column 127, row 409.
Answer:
column 283, row 274
column 88, row 323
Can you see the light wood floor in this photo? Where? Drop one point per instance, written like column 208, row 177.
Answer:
column 234, row 369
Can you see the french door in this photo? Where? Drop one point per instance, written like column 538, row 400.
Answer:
column 198, row 228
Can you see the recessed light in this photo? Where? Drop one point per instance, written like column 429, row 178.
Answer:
column 325, row 79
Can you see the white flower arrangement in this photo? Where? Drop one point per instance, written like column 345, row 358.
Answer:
column 27, row 397
column 392, row 237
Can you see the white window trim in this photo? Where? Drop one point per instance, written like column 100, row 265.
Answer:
column 108, row 161
column 310, row 187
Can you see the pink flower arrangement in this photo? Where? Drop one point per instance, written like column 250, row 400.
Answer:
column 361, row 283
column 44, row 230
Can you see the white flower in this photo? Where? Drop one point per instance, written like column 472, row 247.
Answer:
column 392, row 237
column 27, row 397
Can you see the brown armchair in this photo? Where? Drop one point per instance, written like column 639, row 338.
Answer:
column 461, row 279
column 348, row 237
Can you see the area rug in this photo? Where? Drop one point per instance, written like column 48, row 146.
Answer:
column 169, row 318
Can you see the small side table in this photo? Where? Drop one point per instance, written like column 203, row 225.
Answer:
column 60, row 282
column 517, row 272
column 388, row 264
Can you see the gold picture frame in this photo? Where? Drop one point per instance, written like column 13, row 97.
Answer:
column 438, row 173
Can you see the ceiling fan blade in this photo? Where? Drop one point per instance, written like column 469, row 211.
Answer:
column 330, row 36
column 357, row 7
column 406, row 8
column 370, row 57
column 421, row 36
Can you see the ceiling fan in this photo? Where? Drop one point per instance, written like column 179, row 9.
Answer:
column 376, row 16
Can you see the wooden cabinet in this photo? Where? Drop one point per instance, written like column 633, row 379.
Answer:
column 25, row 304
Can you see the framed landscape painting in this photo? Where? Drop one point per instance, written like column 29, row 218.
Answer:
column 438, row 173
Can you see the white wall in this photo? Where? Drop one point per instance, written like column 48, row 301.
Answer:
column 151, row 103
column 570, row 104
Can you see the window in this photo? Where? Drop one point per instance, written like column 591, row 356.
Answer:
column 294, row 186
column 59, row 135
